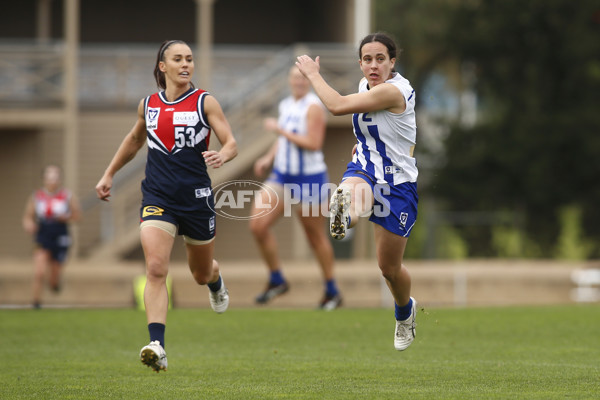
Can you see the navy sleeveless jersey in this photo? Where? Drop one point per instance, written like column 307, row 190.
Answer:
column 177, row 134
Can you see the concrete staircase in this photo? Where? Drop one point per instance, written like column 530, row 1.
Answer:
column 112, row 230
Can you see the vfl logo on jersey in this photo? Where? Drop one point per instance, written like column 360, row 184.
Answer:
column 403, row 219
column 188, row 118
column 152, row 118
column 152, row 210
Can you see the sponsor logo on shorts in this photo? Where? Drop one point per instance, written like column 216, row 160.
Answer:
column 211, row 224
column 403, row 219
column 151, row 210
column 64, row 241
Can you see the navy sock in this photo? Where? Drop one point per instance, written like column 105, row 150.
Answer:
column 330, row 287
column 157, row 332
column 402, row 313
column 215, row 286
column 276, row 278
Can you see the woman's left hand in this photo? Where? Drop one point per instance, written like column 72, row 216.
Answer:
column 213, row 158
column 271, row 125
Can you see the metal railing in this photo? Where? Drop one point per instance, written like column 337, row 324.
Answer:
column 248, row 81
column 117, row 76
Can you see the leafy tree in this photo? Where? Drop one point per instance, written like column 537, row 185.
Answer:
column 536, row 147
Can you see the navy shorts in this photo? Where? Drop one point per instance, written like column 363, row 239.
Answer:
column 306, row 188
column 196, row 224
column 54, row 237
column 395, row 207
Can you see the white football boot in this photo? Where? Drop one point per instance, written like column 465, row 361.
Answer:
column 339, row 207
column 154, row 356
column 219, row 300
column 405, row 330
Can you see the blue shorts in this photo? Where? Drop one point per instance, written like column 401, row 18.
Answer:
column 197, row 225
column 54, row 237
column 395, row 207
column 306, row 188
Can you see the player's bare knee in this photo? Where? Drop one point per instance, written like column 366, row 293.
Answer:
column 258, row 228
column 316, row 239
column 155, row 270
column 389, row 271
column 202, row 278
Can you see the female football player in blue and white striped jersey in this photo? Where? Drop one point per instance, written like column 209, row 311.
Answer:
column 381, row 179
column 299, row 171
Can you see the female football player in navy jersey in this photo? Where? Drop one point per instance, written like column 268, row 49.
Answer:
column 47, row 215
column 176, row 123
column 381, row 179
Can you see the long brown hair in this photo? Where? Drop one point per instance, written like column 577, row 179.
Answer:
column 159, row 76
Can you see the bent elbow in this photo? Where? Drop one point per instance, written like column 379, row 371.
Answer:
column 336, row 111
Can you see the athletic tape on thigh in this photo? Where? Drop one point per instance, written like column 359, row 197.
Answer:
column 195, row 242
column 164, row 225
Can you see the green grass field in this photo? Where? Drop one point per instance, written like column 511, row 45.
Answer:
column 491, row 353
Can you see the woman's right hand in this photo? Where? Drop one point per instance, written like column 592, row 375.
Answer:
column 103, row 188
column 271, row 124
column 261, row 166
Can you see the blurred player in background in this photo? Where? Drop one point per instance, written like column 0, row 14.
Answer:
column 381, row 179
column 177, row 195
column 48, row 212
column 297, row 161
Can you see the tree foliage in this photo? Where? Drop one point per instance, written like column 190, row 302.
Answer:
column 537, row 68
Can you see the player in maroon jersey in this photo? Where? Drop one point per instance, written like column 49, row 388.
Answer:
column 176, row 123
column 47, row 214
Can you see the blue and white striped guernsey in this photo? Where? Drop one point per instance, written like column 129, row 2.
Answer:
column 291, row 159
column 386, row 140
